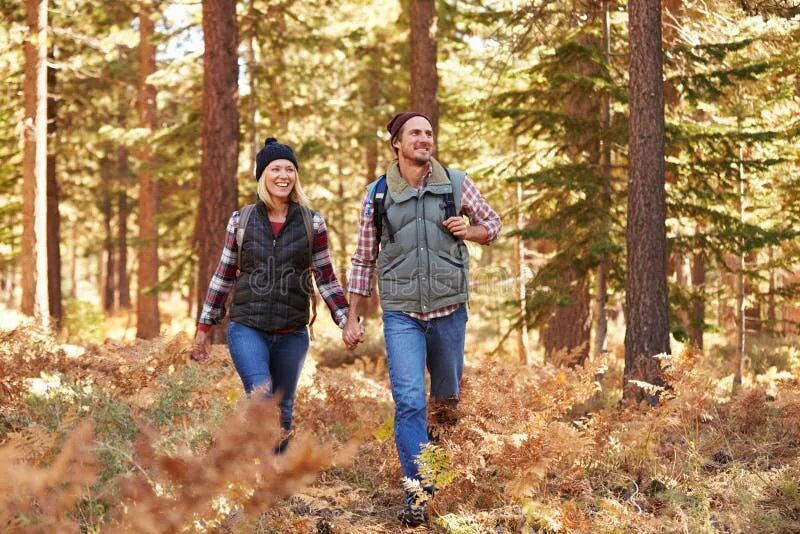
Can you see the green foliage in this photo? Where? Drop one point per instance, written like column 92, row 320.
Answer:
column 83, row 321
column 173, row 400
column 765, row 352
column 435, row 466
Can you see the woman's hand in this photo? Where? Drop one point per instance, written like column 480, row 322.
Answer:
column 200, row 348
column 353, row 332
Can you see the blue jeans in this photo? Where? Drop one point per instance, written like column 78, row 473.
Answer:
column 269, row 360
column 411, row 346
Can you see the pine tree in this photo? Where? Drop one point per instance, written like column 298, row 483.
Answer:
column 35, row 296
column 646, row 305
column 424, row 74
column 218, row 169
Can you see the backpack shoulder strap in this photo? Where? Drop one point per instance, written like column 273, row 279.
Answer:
column 308, row 222
column 378, row 196
column 452, row 200
column 244, row 218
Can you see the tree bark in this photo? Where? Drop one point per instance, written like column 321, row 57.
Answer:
column 523, row 345
column 424, row 76
column 772, row 318
column 108, row 273
column 147, row 317
column 741, row 317
column 566, row 336
column 752, row 313
column 53, row 215
column 252, row 101
column 123, row 282
column 647, row 312
column 601, row 280
column 278, row 112
column 698, row 309
column 73, row 263
column 35, row 294
column 218, row 185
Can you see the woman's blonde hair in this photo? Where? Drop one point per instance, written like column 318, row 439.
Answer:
column 297, row 194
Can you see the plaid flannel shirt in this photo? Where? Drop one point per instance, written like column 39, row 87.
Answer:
column 473, row 205
column 225, row 276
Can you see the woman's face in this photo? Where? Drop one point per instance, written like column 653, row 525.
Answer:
column 280, row 176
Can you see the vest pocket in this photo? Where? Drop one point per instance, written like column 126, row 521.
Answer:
column 447, row 274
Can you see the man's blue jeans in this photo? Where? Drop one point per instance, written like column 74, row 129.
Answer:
column 269, row 360
column 412, row 345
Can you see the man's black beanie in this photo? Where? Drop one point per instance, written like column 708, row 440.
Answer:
column 271, row 151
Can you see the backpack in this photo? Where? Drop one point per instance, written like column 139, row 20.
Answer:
column 244, row 218
column 378, row 199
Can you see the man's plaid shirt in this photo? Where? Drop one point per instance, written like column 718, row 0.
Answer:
column 473, row 205
column 225, row 276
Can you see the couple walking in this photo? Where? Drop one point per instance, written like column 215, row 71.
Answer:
column 411, row 229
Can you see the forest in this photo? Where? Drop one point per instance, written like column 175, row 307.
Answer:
column 632, row 360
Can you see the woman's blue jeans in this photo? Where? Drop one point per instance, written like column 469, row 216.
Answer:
column 272, row 361
column 411, row 346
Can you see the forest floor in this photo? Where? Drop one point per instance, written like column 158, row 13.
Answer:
column 136, row 437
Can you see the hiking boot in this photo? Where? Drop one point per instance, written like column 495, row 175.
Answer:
column 285, row 437
column 413, row 515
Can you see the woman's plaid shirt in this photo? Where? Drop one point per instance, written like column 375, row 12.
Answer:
column 225, row 276
column 473, row 205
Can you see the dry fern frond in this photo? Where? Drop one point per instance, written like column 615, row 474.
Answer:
column 46, row 496
column 240, row 465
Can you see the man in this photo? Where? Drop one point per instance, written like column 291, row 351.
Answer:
column 423, row 281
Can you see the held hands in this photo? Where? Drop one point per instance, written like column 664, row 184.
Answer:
column 457, row 226
column 353, row 332
column 200, row 348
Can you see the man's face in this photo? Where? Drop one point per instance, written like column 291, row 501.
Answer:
column 416, row 140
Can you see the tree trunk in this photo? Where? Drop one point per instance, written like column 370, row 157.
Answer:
column 647, row 308
column 752, row 313
column 568, row 331
column 252, row 79
column 278, row 113
column 601, row 280
column 147, row 318
column 424, row 76
column 123, row 283
column 772, row 319
column 523, row 346
column 218, row 186
column 73, row 263
column 741, row 317
column 698, row 309
column 35, row 297
column 566, row 336
column 53, row 215
column 109, row 270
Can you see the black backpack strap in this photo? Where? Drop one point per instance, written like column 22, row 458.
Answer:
column 449, row 200
column 379, row 193
column 244, row 218
column 308, row 222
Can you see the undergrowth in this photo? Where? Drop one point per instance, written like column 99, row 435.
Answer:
column 137, row 438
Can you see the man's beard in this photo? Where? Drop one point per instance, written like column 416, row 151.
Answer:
column 416, row 158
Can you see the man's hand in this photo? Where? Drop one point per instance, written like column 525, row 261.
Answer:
column 457, row 226
column 200, row 348
column 461, row 230
column 353, row 332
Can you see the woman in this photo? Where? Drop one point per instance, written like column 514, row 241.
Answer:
column 267, row 261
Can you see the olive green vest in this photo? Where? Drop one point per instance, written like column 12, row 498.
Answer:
column 425, row 268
